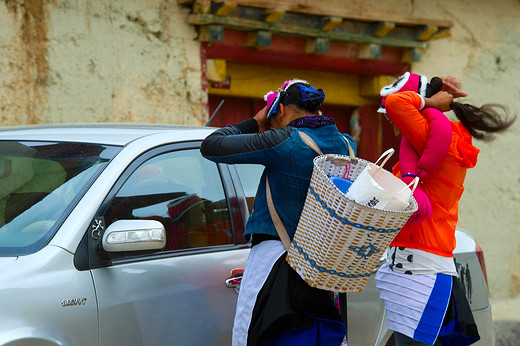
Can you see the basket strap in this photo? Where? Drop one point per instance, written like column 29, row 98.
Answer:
column 278, row 224
column 312, row 144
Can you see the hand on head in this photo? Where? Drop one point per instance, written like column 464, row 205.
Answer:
column 264, row 124
column 452, row 86
column 440, row 101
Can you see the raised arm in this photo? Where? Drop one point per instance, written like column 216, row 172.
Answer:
column 403, row 110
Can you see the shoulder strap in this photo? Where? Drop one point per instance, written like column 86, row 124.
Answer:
column 310, row 142
column 278, row 224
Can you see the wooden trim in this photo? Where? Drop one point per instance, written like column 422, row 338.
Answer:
column 223, row 8
column 239, row 23
column 426, row 32
column 317, row 45
column 330, row 23
column 200, row 6
column 370, row 146
column 369, row 51
column 370, row 86
column 272, row 15
column 260, row 38
column 384, row 28
column 209, row 33
column 306, row 61
column 352, row 12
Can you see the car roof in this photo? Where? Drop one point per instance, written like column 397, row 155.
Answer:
column 102, row 133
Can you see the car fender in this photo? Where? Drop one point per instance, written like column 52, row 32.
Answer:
column 29, row 336
column 46, row 301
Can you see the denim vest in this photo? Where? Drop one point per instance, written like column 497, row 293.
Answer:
column 289, row 168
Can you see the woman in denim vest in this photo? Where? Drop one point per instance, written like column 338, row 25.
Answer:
column 294, row 311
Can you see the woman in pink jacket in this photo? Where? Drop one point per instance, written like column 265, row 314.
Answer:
column 418, row 283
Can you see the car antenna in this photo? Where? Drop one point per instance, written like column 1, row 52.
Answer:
column 215, row 112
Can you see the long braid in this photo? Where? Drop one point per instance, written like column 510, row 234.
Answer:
column 481, row 122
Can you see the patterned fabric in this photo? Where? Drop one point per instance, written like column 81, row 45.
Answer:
column 414, row 261
column 415, row 304
column 312, row 121
column 310, row 93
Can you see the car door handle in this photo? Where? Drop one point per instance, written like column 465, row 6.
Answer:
column 235, row 279
column 233, row 282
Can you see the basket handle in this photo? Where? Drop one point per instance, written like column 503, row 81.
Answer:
column 414, row 182
column 278, row 224
column 385, row 156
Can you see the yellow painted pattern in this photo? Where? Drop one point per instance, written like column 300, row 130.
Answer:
column 255, row 81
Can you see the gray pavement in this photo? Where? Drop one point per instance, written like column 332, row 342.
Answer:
column 506, row 321
column 507, row 333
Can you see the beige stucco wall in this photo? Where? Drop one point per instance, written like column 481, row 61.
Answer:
column 82, row 61
column 138, row 61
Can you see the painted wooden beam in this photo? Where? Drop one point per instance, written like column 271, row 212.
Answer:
column 216, row 70
column 317, row 45
column 347, row 11
column 369, row 51
column 260, row 38
column 239, row 23
column 330, row 23
column 411, row 55
column 382, row 29
column 272, row 15
column 370, row 86
column 442, row 33
column 255, row 80
column 201, row 6
column 211, row 33
column 301, row 60
column 223, row 8
column 371, row 135
column 426, row 32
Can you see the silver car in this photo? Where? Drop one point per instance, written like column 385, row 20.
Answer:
column 126, row 235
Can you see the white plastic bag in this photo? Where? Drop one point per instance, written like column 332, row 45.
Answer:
column 378, row 188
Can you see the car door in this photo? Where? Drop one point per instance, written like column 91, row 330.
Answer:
column 177, row 296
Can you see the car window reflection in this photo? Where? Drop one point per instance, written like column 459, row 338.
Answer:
column 184, row 192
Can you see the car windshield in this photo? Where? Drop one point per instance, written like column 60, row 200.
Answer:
column 40, row 182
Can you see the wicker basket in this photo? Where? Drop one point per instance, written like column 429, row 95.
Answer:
column 338, row 242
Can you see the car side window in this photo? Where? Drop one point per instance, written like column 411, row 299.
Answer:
column 250, row 175
column 184, row 192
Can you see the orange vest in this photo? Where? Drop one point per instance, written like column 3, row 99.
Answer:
column 444, row 186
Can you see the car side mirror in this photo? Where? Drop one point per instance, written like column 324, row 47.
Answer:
column 134, row 235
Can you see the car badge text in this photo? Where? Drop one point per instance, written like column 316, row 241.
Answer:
column 74, row 301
